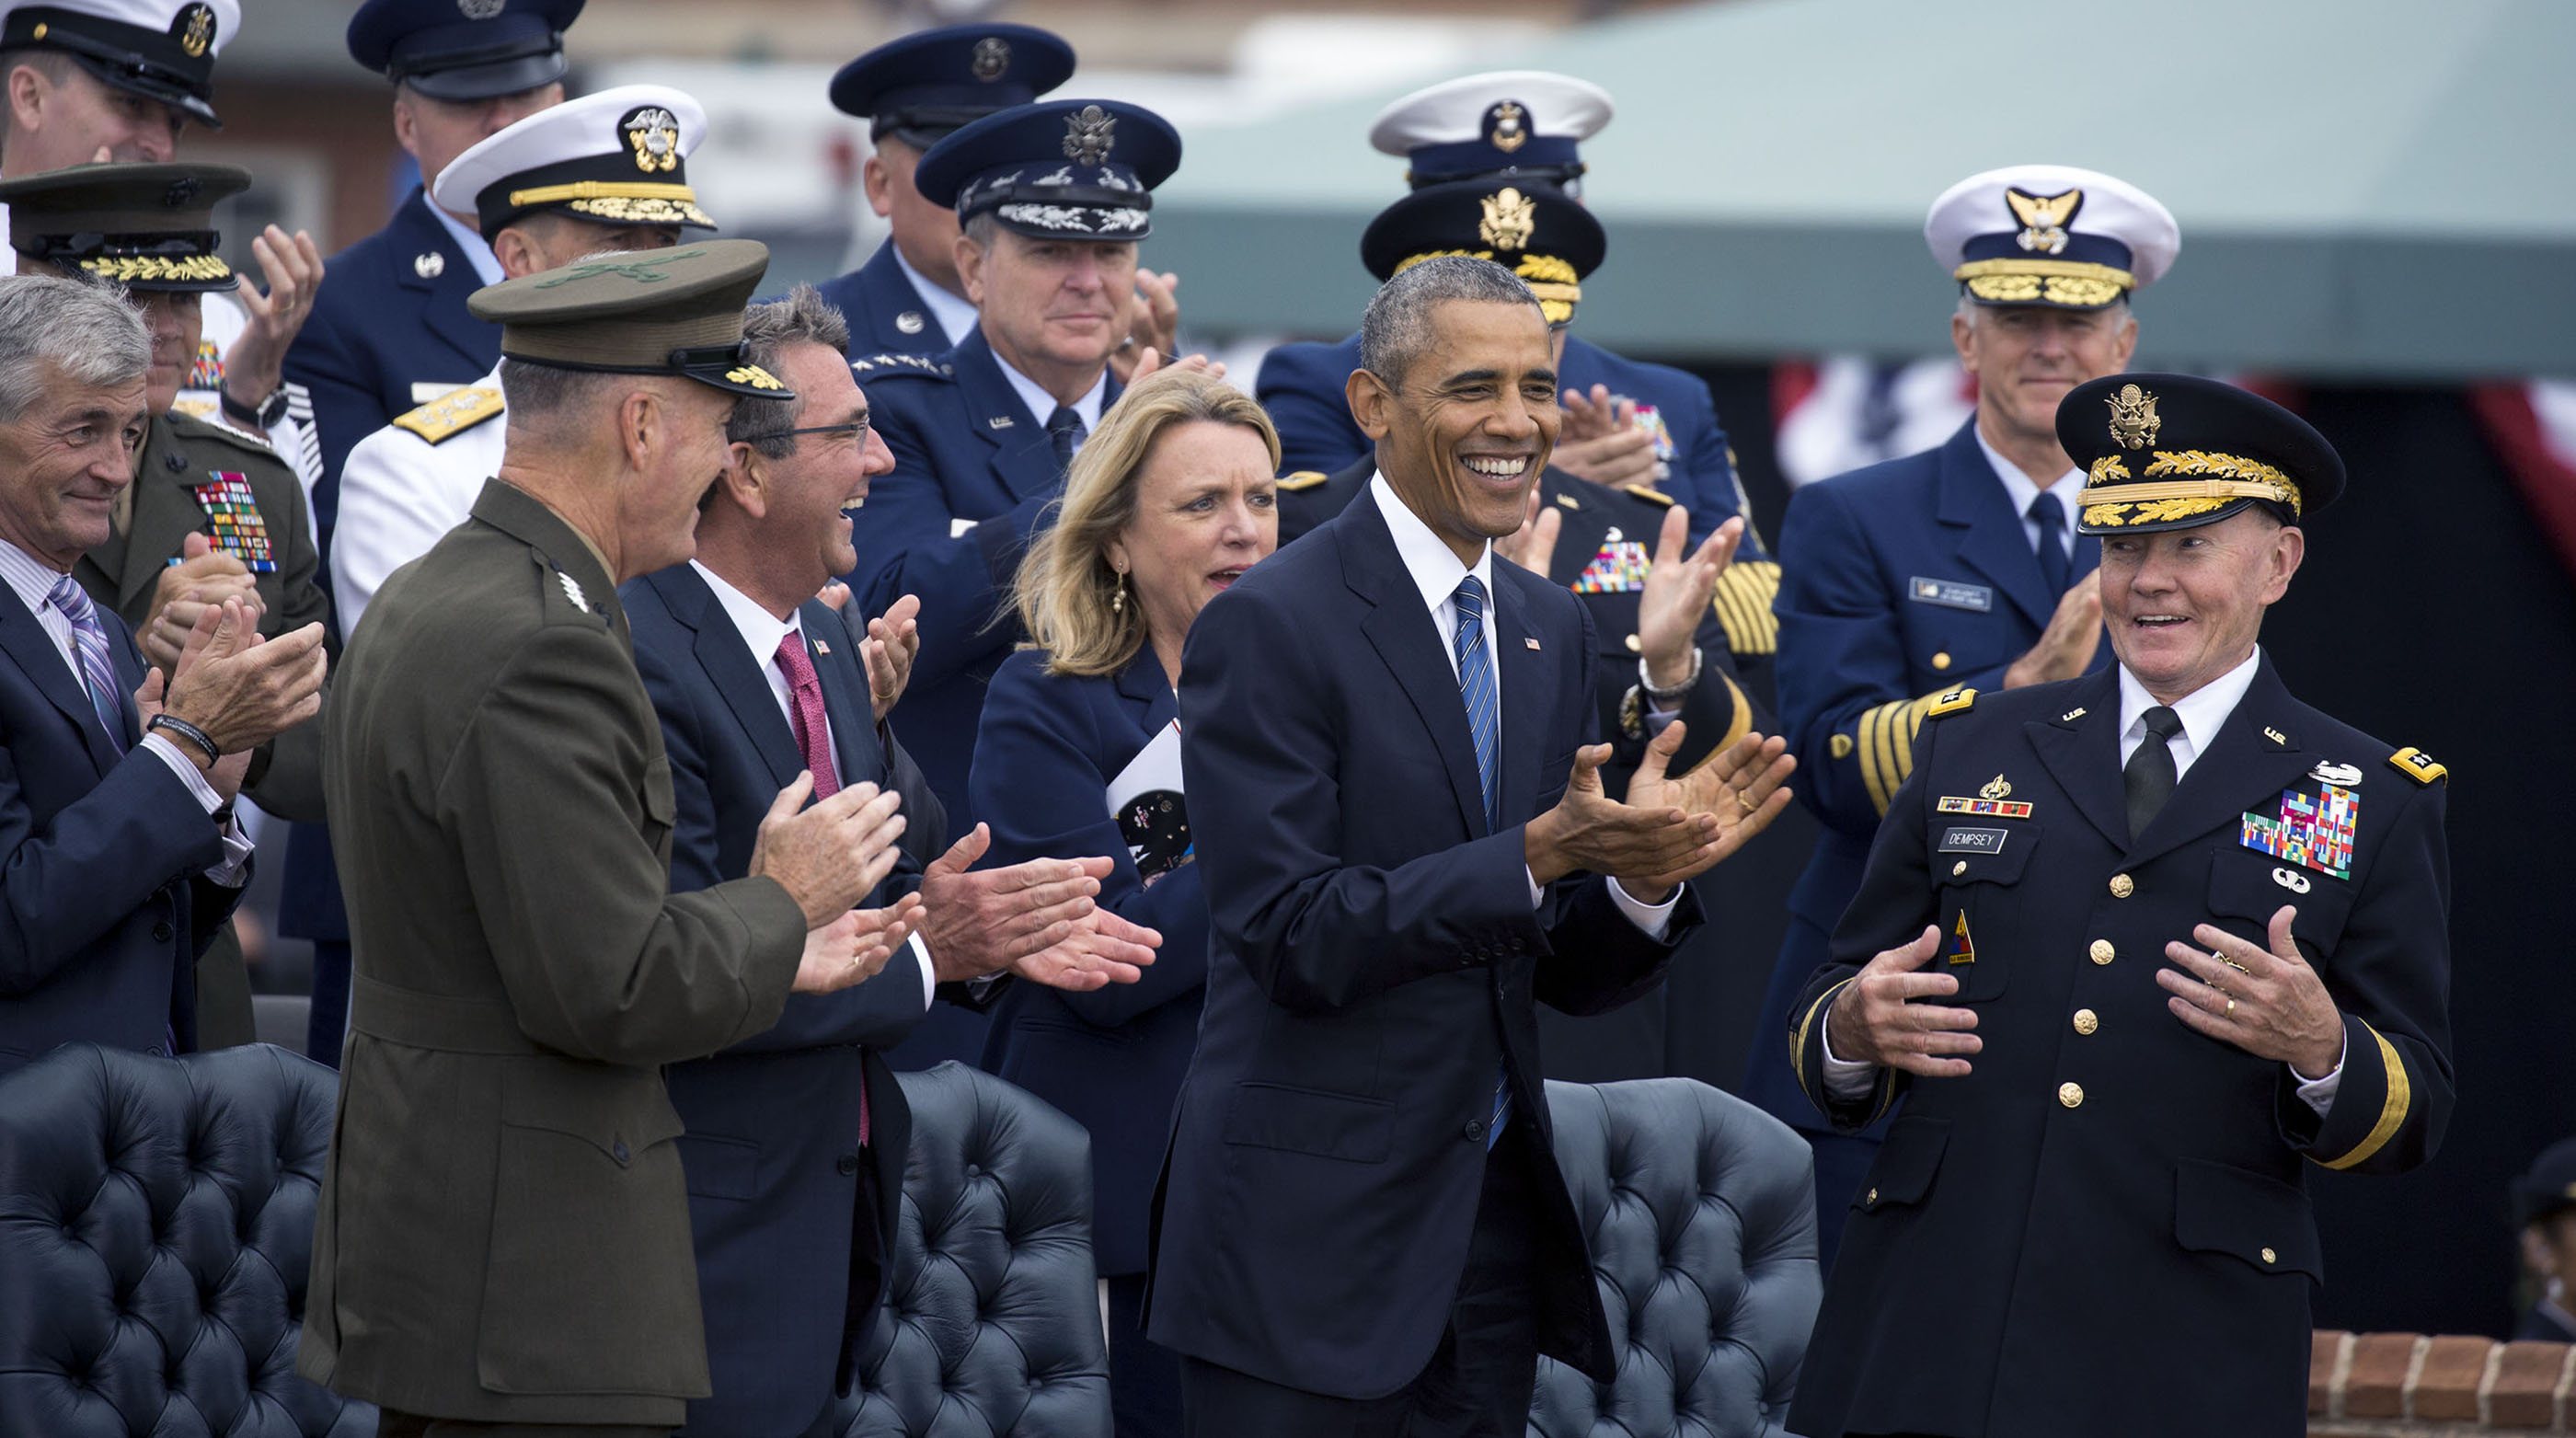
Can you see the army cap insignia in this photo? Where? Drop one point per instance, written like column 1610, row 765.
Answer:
column 992, row 58
column 2133, row 416
column 1089, row 133
column 1509, row 218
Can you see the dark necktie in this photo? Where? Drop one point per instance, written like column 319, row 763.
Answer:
column 2149, row 776
column 1064, row 427
column 89, row 646
column 2051, row 518
column 814, row 742
column 1476, row 690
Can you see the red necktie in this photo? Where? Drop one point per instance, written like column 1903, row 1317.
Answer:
column 814, row 741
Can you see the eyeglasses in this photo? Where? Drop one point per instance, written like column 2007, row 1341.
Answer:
column 856, row 429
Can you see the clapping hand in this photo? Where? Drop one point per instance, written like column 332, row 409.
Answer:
column 832, row 855
column 1743, row 786
column 1035, row 918
column 1156, row 330
column 1679, row 587
column 1601, row 440
column 203, row 578
column 256, row 364
column 893, row 642
column 240, row 689
column 852, row 948
column 1533, row 545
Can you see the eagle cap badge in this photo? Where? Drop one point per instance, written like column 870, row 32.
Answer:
column 992, row 58
column 2043, row 218
column 654, row 133
column 481, row 9
column 1510, row 216
column 2134, row 421
column 1088, row 135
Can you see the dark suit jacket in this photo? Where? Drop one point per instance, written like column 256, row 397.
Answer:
column 2022, row 1248
column 1374, row 958
column 101, row 861
column 791, row 1261
column 872, row 298
column 1111, row 1059
column 1906, row 579
column 965, row 450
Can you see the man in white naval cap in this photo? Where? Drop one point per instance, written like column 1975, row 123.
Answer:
column 1955, row 568
column 119, row 81
column 605, row 172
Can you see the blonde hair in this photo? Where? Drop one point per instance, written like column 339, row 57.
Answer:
column 1064, row 588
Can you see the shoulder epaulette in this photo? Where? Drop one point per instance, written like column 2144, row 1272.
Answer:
column 1648, row 493
column 899, row 364
column 196, row 426
column 2417, row 765
column 1951, row 702
column 453, row 413
column 1301, row 479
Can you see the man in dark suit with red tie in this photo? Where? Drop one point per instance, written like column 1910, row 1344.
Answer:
column 796, row 1138
column 1406, row 847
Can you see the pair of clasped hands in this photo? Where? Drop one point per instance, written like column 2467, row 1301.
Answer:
column 1036, row 919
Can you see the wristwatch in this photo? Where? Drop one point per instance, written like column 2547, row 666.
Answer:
column 1666, row 698
column 265, row 417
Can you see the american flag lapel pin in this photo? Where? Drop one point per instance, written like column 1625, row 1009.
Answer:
column 822, row 646
column 1532, row 643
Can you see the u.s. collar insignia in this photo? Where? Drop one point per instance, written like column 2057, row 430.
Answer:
column 2043, row 218
column 655, row 135
column 999, row 421
column 1088, row 135
column 2134, row 421
column 196, row 30
column 2346, row 775
column 2277, row 737
column 992, row 57
column 2071, row 715
column 1509, row 218
column 1507, row 126
column 572, row 591
column 1996, row 788
column 429, row 264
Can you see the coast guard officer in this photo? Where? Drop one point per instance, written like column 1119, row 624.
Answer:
column 915, row 92
column 2138, row 948
column 1952, row 567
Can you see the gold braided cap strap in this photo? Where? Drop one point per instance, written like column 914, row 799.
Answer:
column 1551, row 279
column 136, row 269
column 2065, row 282
column 2113, row 499
column 619, row 203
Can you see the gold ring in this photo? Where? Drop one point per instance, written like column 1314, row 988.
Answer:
column 1747, row 805
column 2231, row 1008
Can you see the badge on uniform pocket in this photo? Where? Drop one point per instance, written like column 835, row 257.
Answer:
column 1950, row 594
column 1963, row 950
column 234, row 517
column 2312, row 831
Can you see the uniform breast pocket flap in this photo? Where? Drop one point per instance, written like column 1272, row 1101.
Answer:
column 1302, row 1120
column 1906, row 1164
column 1979, row 862
column 2246, row 888
column 2219, row 1208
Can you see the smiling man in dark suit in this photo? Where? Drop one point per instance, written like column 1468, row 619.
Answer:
column 1363, row 1229
column 796, row 1137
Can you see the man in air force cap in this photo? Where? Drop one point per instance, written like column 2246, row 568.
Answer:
column 503, row 1236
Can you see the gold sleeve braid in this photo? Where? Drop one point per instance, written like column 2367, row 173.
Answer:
column 1743, row 605
column 1885, row 740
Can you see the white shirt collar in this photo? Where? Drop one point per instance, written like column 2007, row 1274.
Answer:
column 30, row 578
column 2022, row 489
column 1042, row 404
column 956, row 316
column 1428, row 559
column 478, row 251
column 2202, row 711
column 760, row 629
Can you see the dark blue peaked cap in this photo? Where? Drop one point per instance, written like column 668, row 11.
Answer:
column 463, row 49
column 1057, row 169
column 2176, row 451
column 925, row 85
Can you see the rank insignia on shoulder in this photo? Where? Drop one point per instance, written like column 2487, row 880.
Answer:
column 2346, row 776
column 1963, row 949
column 452, row 413
column 572, row 591
column 2417, row 765
column 2312, row 832
column 1951, row 701
column 919, row 364
column 1300, row 480
column 1648, row 493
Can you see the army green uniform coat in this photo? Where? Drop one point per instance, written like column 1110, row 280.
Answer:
column 504, row 1233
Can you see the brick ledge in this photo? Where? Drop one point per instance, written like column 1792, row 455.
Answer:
column 2413, row 1385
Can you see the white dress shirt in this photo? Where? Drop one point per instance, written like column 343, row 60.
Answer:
column 32, row 580
column 762, row 632
column 478, row 250
column 1436, row 572
column 955, row 317
column 1042, row 404
column 2023, row 489
column 2203, row 711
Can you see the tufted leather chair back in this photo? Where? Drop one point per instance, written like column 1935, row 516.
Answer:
column 1700, row 1212
column 156, row 1218
column 992, row 1322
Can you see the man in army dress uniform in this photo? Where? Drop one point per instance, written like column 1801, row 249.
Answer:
column 212, row 513
column 2137, row 948
column 503, row 1237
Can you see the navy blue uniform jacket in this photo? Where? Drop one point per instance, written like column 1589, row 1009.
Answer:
column 2102, row 1229
column 1111, row 1059
column 101, row 861
column 973, row 477
column 772, row 1149
column 1906, row 579
column 1374, row 957
column 871, row 296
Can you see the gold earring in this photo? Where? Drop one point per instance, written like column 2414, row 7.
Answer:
column 1118, row 600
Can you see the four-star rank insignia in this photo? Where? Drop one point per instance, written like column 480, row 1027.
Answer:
column 654, row 134
column 572, row 591
column 1509, row 218
column 1088, row 135
column 234, row 517
column 2134, row 421
column 2043, row 218
column 2313, row 832
column 1963, row 949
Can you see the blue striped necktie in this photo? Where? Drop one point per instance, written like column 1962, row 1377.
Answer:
column 1476, row 689
column 89, row 644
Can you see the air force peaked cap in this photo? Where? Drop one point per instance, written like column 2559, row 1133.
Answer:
column 160, row 49
column 1057, row 169
column 463, row 49
column 145, row 227
column 928, row 84
column 675, row 312
column 2050, row 235
column 618, row 157
column 1529, row 122
column 2175, row 451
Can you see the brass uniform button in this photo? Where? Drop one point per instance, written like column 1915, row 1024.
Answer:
column 1941, row 660
column 2086, row 1022
column 1958, row 868
column 1842, row 746
column 2071, row 1094
column 2268, row 1255
column 1636, row 645
column 2122, row 886
column 2102, row 951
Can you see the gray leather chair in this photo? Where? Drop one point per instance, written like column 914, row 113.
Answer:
column 1700, row 1212
column 156, row 1221
column 992, row 1323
